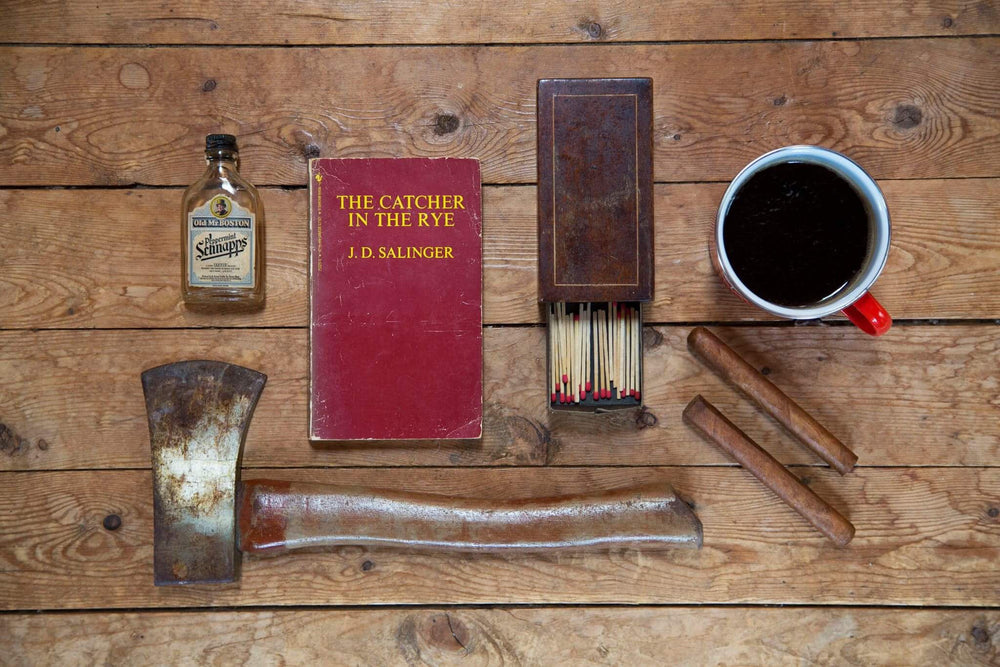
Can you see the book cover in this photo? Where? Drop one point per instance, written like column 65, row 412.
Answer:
column 395, row 299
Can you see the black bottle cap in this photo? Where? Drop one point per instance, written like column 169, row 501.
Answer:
column 220, row 141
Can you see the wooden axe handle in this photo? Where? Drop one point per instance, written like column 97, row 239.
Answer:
column 275, row 516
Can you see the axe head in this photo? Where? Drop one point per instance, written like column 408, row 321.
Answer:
column 199, row 412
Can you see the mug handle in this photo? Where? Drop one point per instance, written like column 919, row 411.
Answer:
column 868, row 315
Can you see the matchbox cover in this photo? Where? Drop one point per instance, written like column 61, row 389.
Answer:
column 395, row 299
column 595, row 190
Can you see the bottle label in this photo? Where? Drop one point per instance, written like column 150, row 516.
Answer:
column 220, row 244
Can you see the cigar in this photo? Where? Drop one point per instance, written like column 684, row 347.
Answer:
column 732, row 368
column 712, row 424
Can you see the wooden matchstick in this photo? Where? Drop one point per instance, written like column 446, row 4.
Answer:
column 554, row 363
column 609, row 351
column 587, row 384
column 629, row 352
column 598, row 365
column 571, row 385
column 626, row 351
column 638, row 353
column 571, row 359
column 578, row 353
column 601, row 351
column 564, row 339
column 612, row 349
column 623, row 310
column 581, row 354
column 560, row 353
column 636, row 350
column 563, row 371
column 566, row 354
column 619, row 349
column 602, row 328
column 627, row 347
column 605, row 356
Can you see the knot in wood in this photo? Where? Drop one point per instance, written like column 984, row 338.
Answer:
column 446, row 123
column 645, row 419
column 980, row 634
column 907, row 116
column 447, row 633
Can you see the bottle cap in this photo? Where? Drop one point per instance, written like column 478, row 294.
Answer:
column 220, row 141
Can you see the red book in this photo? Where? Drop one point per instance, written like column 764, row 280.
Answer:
column 396, row 308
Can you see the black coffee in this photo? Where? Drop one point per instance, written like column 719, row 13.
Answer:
column 796, row 234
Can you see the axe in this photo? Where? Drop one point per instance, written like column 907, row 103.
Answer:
column 199, row 412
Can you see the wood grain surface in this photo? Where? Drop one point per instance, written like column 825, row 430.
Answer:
column 68, row 263
column 938, row 383
column 908, row 108
column 103, row 111
column 925, row 536
column 590, row 636
column 465, row 21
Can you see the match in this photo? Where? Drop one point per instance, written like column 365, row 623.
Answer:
column 595, row 353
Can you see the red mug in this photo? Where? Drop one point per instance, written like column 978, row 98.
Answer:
column 854, row 299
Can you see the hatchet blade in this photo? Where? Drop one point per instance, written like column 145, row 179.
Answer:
column 198, row 412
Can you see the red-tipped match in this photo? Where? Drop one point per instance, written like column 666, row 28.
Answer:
column 638, row 395
column 631, row 392
column 565, row 378
column 588, row 385
column 555, row 397
column 604, row 393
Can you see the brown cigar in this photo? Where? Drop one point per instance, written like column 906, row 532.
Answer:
column 731, row 367
column 702, row 415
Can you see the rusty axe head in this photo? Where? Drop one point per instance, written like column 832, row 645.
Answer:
column 198, row 413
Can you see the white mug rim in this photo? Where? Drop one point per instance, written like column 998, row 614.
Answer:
column 866, row 187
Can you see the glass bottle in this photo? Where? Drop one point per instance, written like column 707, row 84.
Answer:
column 222, row 234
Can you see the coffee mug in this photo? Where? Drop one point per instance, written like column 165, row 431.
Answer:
column 802, row 232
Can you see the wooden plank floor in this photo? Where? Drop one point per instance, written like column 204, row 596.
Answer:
column 103, row 111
